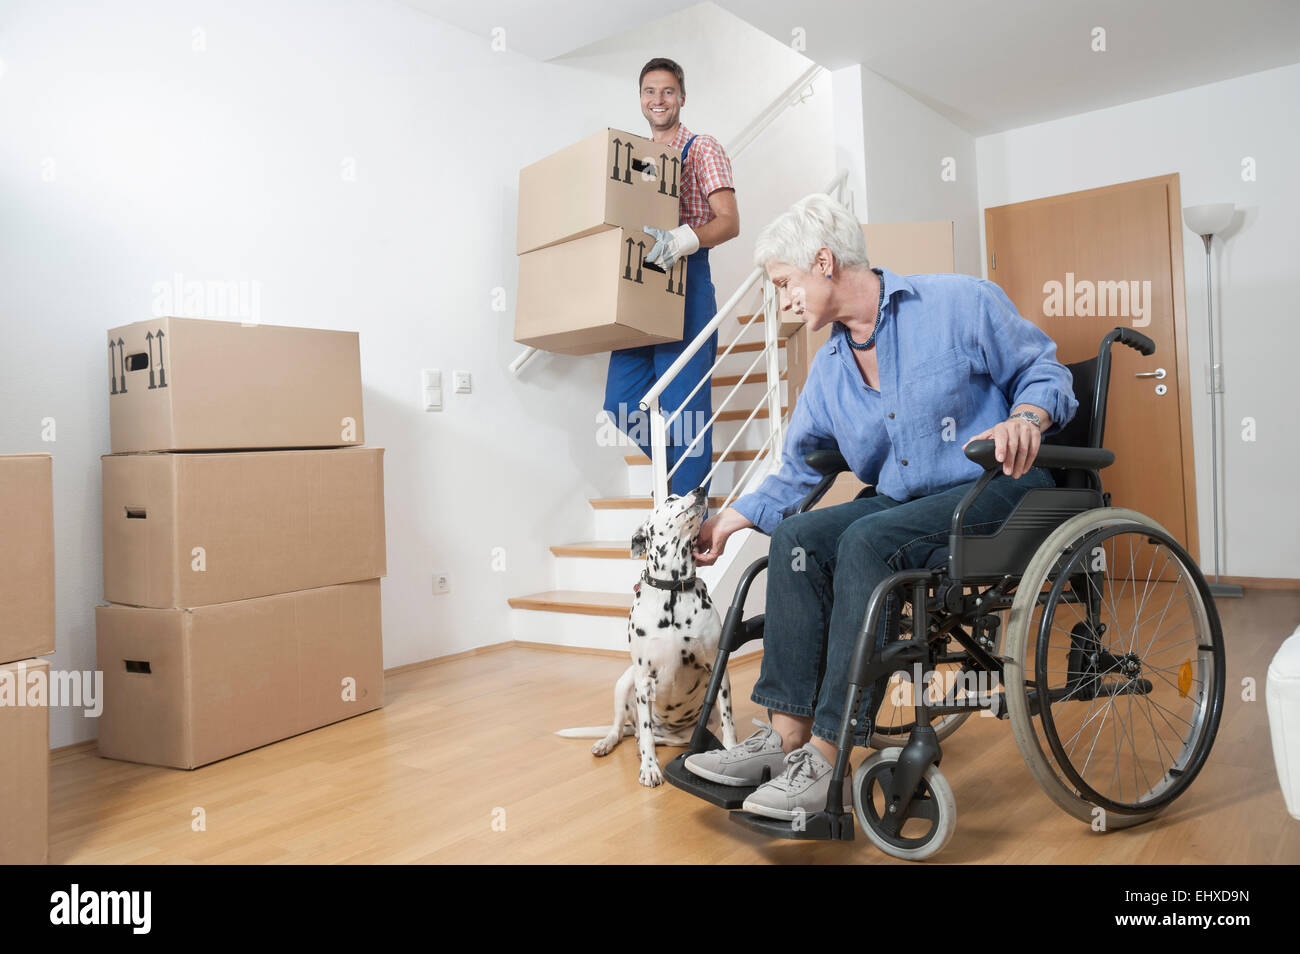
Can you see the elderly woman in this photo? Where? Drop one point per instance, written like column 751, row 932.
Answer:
column 915, row 368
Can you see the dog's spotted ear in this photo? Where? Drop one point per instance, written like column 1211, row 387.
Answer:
column 640, row 541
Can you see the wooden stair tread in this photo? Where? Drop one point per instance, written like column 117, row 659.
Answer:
column 642, row 459
column 635, row 503
column 751, row 346
column 744, row 413
column 582, row 602
column 600, row 549
column 788, row 325
column 757, row 376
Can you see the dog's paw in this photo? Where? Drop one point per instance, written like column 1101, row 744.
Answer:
column 605, row 745
column 651, row 775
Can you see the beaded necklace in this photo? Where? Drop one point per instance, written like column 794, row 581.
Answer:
column 880, row 317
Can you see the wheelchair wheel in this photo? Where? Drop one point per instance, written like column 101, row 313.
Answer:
column 931, row 816
column 1115, row 675
column 895, row 717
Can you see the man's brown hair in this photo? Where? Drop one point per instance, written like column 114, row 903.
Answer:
column 663, row 63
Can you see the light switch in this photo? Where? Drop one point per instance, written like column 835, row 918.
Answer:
column 431, row 379
column 460, row 381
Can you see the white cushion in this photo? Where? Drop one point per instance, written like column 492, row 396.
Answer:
column 1282, row 694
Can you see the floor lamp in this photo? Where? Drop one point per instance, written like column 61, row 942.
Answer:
column 1207, row 221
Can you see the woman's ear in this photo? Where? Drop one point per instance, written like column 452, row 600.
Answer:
column 824, row 262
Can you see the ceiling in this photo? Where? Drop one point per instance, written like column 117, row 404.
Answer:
column 987, row 65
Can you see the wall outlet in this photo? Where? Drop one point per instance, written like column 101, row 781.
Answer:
column 441, row 582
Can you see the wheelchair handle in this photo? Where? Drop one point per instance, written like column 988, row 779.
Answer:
column 1135, row 340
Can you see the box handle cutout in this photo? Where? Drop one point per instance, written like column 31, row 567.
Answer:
column 137, row 362
column 136, row 665
column 137, row 513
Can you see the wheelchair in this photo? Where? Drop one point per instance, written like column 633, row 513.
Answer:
column 1110, row 665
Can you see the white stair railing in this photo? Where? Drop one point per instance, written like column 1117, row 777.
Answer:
column 659, row 424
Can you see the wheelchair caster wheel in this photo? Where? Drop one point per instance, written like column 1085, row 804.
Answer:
column 930, row 819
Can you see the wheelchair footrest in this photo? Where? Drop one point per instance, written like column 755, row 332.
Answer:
column 724, row 796
column 814, row 826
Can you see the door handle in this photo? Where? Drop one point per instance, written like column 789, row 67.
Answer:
column 1158, row 374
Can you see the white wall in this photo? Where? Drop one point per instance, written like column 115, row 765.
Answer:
column 908, row 146
column 850, row 152
column 1204, row 134
column 127, row 156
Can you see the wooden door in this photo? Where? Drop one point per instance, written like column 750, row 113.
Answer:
column 1080, row 264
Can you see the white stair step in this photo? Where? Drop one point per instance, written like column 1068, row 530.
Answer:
column 587, row 573
column 568, row 629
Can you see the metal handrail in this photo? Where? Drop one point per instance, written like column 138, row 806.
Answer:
column 650, row 403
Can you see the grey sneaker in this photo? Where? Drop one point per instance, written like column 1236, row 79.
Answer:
column 800, row 790
column 743, row 764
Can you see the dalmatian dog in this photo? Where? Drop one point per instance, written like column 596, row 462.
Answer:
column 673, row 632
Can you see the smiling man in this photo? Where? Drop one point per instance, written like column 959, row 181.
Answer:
column 708, row 218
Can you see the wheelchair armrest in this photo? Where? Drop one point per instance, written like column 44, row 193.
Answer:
column 828, row 462
column 1049, row 455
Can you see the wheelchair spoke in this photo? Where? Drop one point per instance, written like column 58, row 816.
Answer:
column 1135, row 626
column 1137, row 614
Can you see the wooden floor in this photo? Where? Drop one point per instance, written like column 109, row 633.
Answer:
column 461, row 766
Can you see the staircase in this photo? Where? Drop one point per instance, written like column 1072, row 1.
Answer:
column 594, row 578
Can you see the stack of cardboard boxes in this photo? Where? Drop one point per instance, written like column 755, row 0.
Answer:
column 584, row 286
column 26, row 631
column 243, row 540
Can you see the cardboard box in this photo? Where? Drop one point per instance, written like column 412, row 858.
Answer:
column 194, row 384
column 184, row 530
column 24, row 763
column 27, row 556
column 597, row 294
column 185, row 687
column 610, row 180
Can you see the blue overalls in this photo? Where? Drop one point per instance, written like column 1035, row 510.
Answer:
column 634, row 371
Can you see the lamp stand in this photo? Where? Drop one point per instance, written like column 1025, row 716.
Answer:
column 1216, row 587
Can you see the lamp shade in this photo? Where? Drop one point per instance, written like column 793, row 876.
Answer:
column 1208, row 219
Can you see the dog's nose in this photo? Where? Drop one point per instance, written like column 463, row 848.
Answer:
column 698, row 493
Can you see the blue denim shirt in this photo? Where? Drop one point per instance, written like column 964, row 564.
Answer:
column 954, row 357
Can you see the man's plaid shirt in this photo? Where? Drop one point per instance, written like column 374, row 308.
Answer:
column 707, row 170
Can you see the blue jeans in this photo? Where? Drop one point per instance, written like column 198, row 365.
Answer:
column 634, row 371
column 822, row 568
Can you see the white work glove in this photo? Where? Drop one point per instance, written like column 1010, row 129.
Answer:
column 671, row 246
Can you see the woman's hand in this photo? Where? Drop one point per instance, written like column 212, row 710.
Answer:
column 714, row 533
column 1015, row 444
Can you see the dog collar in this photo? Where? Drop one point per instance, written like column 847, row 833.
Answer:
column 676, row 586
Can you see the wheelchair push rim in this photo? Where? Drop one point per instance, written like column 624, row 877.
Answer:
column 1114, row 694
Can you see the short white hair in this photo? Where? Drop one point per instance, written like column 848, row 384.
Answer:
column 815, row 221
